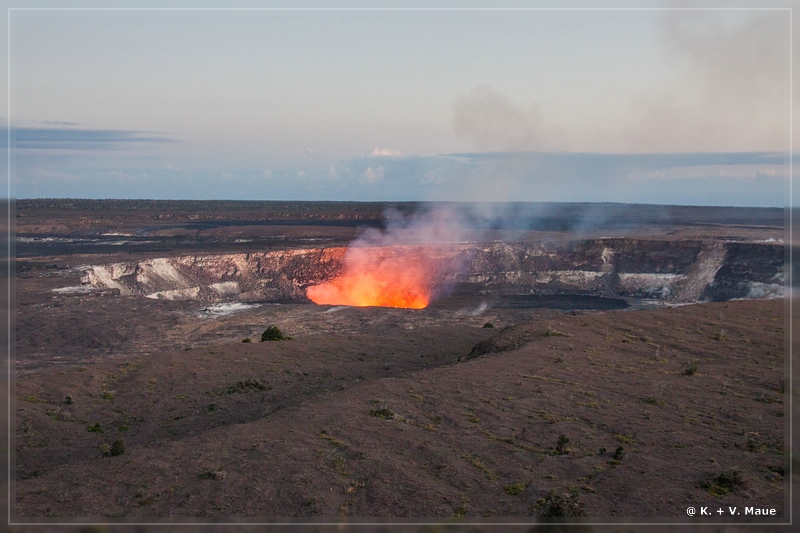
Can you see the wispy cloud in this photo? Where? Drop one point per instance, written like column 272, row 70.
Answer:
column 385, row 152
column 83, row 139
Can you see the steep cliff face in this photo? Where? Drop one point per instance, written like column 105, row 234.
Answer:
column 679, row 271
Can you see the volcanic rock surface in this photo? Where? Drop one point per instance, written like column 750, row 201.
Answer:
column 552, row 369
column 675, row 271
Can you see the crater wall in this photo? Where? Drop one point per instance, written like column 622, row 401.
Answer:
column 675, row 271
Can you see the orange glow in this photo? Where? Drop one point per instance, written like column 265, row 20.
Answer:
column 380, row 277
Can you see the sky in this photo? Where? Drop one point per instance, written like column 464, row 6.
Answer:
column 665, row 106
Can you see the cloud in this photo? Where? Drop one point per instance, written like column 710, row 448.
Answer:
column 711, row 171
column 716, row 178
column 82, row 139
column 384, row 152
column 59, row 123
column 372, row 176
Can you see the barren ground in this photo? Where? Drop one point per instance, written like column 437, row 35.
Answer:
column 386, row 412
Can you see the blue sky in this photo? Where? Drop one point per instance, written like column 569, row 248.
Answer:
column 686, row 107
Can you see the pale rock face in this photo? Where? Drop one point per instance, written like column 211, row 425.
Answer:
column 177, row 294
column 671, row 271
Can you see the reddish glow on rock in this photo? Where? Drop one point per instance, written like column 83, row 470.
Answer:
column 380, row 277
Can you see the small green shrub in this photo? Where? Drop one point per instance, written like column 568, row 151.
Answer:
column 68, row 399
column 652, row 400
column 272, row 333
column 619, row 453
column 513, row 490
column 488, row 325
column 117, row 447
column 383, row 413
column 247, row 340
column 562, row 446
column 247, row 385
column 214, row 474
column 558, row 504
column 724, row 483
column 95, row 428
column 690, row 370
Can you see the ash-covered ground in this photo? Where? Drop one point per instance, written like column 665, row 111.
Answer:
column 595, row 380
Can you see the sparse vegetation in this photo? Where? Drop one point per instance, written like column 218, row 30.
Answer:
column 214, row 474
column 31, row 398
column 652, row 400
column 756, row 444
column 626, row 439
column 68, row 399
column 247, row 339
column 691, row 369
column 619, row 454
column 724, row 483
column 117, row 448
column 561, row 504
column 336, row 442
column 246, row 386
column 340, row 464
column 513, row 490
column 272, row 333
column 95, row 428
column 488, row 325
column 474, row 461
column 383, row 412
column 562, row 446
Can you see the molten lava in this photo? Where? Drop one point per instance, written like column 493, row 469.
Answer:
column 381, row 277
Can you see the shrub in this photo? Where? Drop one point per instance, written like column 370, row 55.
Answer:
column 117, row 447
column 247, row 340
column 95, row 428
column 247, row 385
column 488, row 325
column 691, row 370
column 68, row 400
column 558, row 504
column 722, row 484
column 562, row 447
column 383, row 413
column 272, row 333
column 619, row 453
column 513, row 490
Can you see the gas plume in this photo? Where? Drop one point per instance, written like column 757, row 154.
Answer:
column 401, row 266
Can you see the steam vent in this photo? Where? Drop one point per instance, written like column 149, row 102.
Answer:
column 668, row 271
